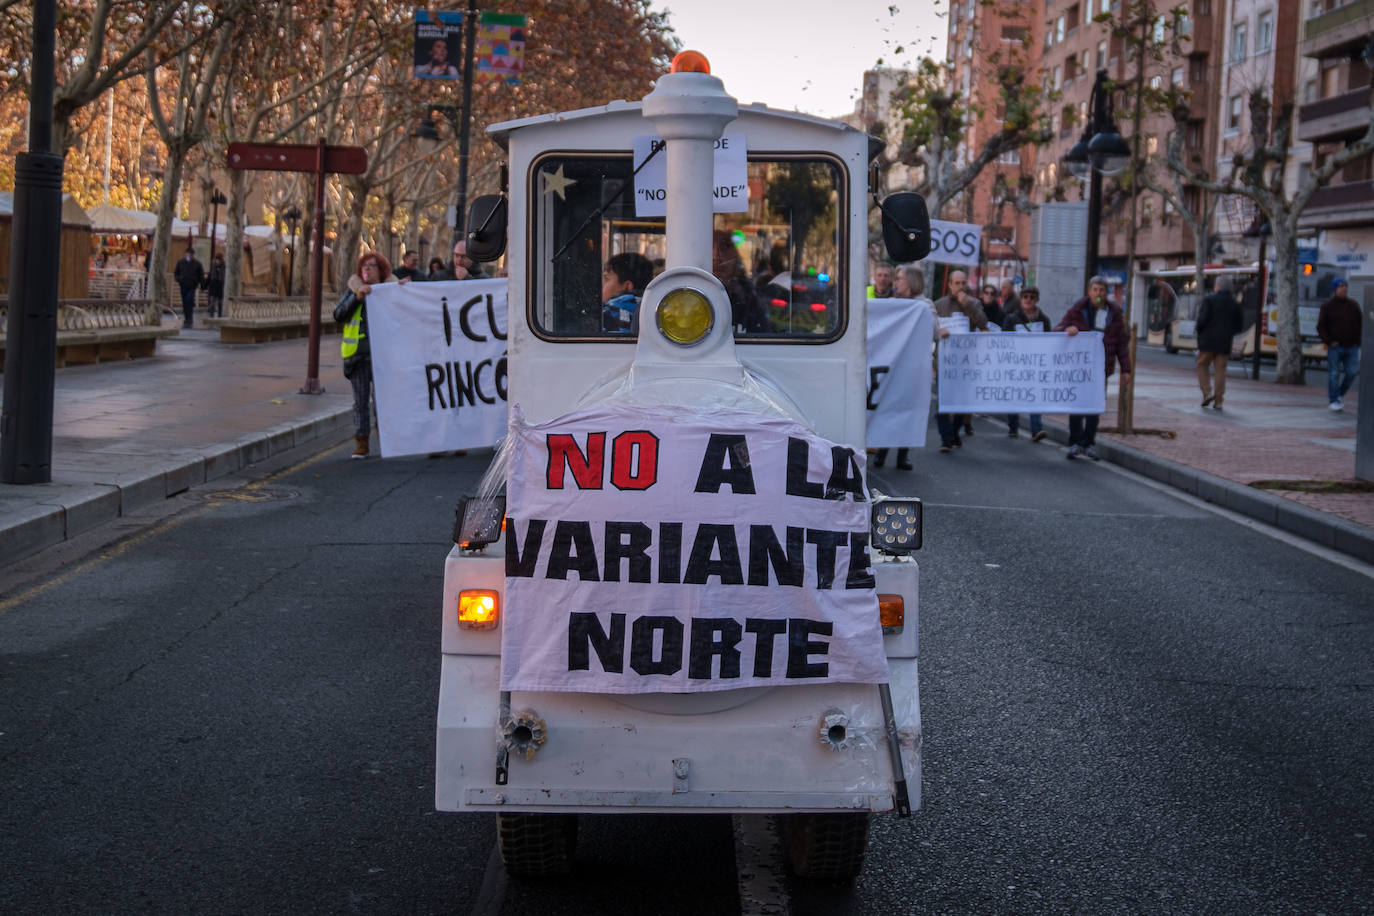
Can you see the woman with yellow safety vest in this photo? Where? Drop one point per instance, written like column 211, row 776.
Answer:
column 351, row 316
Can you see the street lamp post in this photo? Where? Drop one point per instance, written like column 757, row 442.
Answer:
column 1101, row 151
column 292, row 216
column 215, row 200
column 460, row 119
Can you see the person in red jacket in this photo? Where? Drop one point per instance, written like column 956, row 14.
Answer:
column 1095, row 312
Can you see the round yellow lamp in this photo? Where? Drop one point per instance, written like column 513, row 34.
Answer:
column 685, row 316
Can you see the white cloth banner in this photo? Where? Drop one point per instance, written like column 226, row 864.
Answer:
column 438, row 364
column 1022, row 373
column 899, row 343
column 672, row 549
column 955, row 243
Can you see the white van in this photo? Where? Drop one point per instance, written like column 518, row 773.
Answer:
column 719, row 333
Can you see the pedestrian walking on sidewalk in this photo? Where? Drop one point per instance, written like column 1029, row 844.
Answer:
column 1027, row 318
column 356, row 349
column 189, row 275
column 1095, row 312
column 1339, row 327
column 214, row 287
column 1218, row 322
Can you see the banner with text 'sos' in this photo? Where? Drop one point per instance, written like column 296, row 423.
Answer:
column 1022, row 373
column 685, row 550
column 899, row 341
column 438, row 364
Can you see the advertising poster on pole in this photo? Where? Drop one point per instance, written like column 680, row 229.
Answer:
column 438, row 45
column 501, row 47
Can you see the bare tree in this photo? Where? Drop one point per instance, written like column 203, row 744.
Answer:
column 1259, row 177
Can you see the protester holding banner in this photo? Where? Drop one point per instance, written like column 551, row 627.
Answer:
column 992, row 308
column 910, row 284
column 356, row 349
column 1095, row 312
column 881, row 287
column 957, row 302
column 464, row 267
column 1027, row 318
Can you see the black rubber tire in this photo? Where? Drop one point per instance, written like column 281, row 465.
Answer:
column 827, row 847
column 536, row 845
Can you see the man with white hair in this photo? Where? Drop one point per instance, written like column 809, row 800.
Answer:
column 1095, row 312
column 1218, row 321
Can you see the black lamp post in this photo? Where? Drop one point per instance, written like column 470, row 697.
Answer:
column 1101, row 151
column 292, row 216
column 215, row 200
column 428, row 133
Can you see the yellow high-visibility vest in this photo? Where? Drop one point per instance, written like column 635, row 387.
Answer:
column 352, row 333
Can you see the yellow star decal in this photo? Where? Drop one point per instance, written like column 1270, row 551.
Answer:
column 555, row 182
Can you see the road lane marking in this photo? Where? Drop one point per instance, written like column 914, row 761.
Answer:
column 758, row 866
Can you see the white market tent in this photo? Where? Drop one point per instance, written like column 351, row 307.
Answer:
column 108, row 219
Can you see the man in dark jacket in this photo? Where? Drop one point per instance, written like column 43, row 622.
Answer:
column 1095, row 312
column 189, row 274
column 1027, row 318
column 1338, row 325
column 1218, row 322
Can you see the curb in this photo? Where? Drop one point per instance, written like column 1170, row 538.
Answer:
column 1295, row 518
column 65, row 510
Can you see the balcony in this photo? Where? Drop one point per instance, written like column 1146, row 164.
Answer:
column 1349, row 204
column 1339, row 31
column 1338, row 116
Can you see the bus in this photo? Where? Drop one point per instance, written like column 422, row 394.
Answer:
column 1172, row 301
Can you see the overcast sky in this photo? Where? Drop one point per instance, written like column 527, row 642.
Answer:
column 805, row 55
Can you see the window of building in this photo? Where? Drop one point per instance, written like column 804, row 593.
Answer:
column 1105, row 6
column 1151, row 146
column 1071, row 18
column 1159, row 31
column 1235, row 108
column 1198, row 72
column 1309, row 91
column 1238, row 36
column 1057, row 81
column 1101, row 54
column 1010, row 157
column 1059, row 30
column 1156, row 82
column 1264, row 33
column 1194, row 136
column 1204, row 7
column 1070, row 67
column 1014, row 33
column 1185, row 24
column 1176, row 77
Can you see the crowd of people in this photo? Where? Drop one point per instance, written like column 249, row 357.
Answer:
column 990, row 308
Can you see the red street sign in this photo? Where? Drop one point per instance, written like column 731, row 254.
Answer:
column 297, row 157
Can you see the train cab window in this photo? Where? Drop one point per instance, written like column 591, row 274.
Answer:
column 781, row 261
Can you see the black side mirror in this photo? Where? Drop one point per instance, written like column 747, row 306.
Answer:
column 487, row 228
column 906, row 226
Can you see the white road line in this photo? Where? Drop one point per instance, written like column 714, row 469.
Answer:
column 759, row 867
column 1317, row 550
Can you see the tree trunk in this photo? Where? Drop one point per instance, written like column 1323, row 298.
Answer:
column 350, row 233
column 233, row 233
column 163, row 243
column 1285, row 280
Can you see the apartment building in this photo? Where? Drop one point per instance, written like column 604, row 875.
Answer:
column 1066, row 48
column 1337, row 44
column 983, row 38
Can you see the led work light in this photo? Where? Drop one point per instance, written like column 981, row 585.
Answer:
column 896, row 525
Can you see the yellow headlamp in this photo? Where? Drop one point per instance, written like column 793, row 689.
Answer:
column 685, row 316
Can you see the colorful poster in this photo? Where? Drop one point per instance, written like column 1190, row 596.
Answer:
column 438, row 45
column 501, row 47
column 680, row 550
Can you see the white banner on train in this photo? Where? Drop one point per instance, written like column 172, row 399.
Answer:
column 438, row 364
column 669, row 549
column 1022, row 373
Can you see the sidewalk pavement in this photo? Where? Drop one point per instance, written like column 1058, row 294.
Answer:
column 127, row 435
column 130, row 434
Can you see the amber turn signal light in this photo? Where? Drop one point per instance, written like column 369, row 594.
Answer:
column 891, row 613
column 478, row 609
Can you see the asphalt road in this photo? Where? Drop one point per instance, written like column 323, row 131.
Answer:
column 1131, row 703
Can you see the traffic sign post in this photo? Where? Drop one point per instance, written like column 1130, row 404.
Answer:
column 322, row 160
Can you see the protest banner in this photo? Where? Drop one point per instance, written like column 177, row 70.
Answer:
column 730, row 181
column 1022, row 373
column 955, row 243
column 899, row 342
column 438, row 364
column 680, row 550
